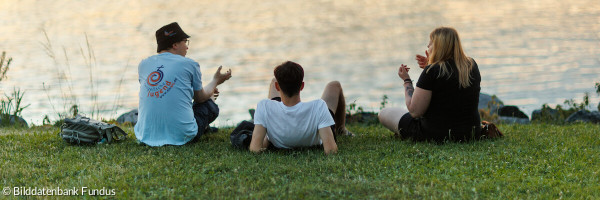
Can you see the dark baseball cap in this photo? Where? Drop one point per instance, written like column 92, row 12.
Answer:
column 168, row 35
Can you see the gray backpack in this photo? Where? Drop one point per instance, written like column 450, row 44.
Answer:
column 83, row 130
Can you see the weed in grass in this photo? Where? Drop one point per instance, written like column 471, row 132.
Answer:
column 353, row 108
column 70, row 104
column 584, row 105
column 356, row 114
column 63, row 77
column 558, row 115
column 384, row 102
column 4, row 65
column 10, row 106
column 90, row 62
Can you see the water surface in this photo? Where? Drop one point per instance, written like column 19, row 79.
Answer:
column 529, row 53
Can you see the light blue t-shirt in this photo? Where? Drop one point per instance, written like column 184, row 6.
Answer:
column 167, row 84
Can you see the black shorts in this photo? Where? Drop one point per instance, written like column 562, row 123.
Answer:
column 409, row 127
column 204, row 114
column 421, row 130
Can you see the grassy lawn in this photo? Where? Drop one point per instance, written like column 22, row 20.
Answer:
column 535, row 161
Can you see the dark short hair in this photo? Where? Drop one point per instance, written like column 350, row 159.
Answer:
column 289, row 75
column 168, row 45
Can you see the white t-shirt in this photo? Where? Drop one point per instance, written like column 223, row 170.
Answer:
column 167, row 85
column 296, row 126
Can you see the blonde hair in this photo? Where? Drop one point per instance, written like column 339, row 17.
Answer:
column 446, row 46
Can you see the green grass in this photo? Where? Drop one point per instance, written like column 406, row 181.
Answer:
column 535, row 161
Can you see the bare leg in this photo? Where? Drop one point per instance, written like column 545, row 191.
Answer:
column 389, row 117
column 333, row 95
column 272, row 90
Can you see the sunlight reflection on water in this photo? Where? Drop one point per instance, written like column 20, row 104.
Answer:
column 529, row 53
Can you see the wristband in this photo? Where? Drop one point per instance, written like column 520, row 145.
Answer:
column 407, row 80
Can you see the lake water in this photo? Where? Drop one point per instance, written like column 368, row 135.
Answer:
column 529, row 52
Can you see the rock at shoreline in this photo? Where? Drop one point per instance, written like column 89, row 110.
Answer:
column 512, row 111
column 492, row 102
column 131, row 117
column 584, row 116
column 512, row 115
column 12, row 121
column 507, row 114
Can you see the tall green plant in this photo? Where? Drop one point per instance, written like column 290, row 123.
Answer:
column 559, row 114
column 70, row 104
column 571, row 104
column 11, row 108
column 67, row 96
column 90, row 61
column 384, row 102
column 4, row 65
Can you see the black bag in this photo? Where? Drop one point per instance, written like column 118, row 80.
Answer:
column 242, row 135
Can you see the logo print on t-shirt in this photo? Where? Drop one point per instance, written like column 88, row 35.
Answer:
column 155, row 77
column 157, row 88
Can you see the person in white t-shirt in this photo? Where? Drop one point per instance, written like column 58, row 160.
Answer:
column 285, row 122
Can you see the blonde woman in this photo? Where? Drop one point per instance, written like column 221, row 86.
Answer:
column 443, row 105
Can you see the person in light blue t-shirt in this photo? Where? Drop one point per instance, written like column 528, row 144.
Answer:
column 169, row 82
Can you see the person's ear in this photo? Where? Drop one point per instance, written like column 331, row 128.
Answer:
column 302, row 86
column 177, row 44
column 277, row 86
